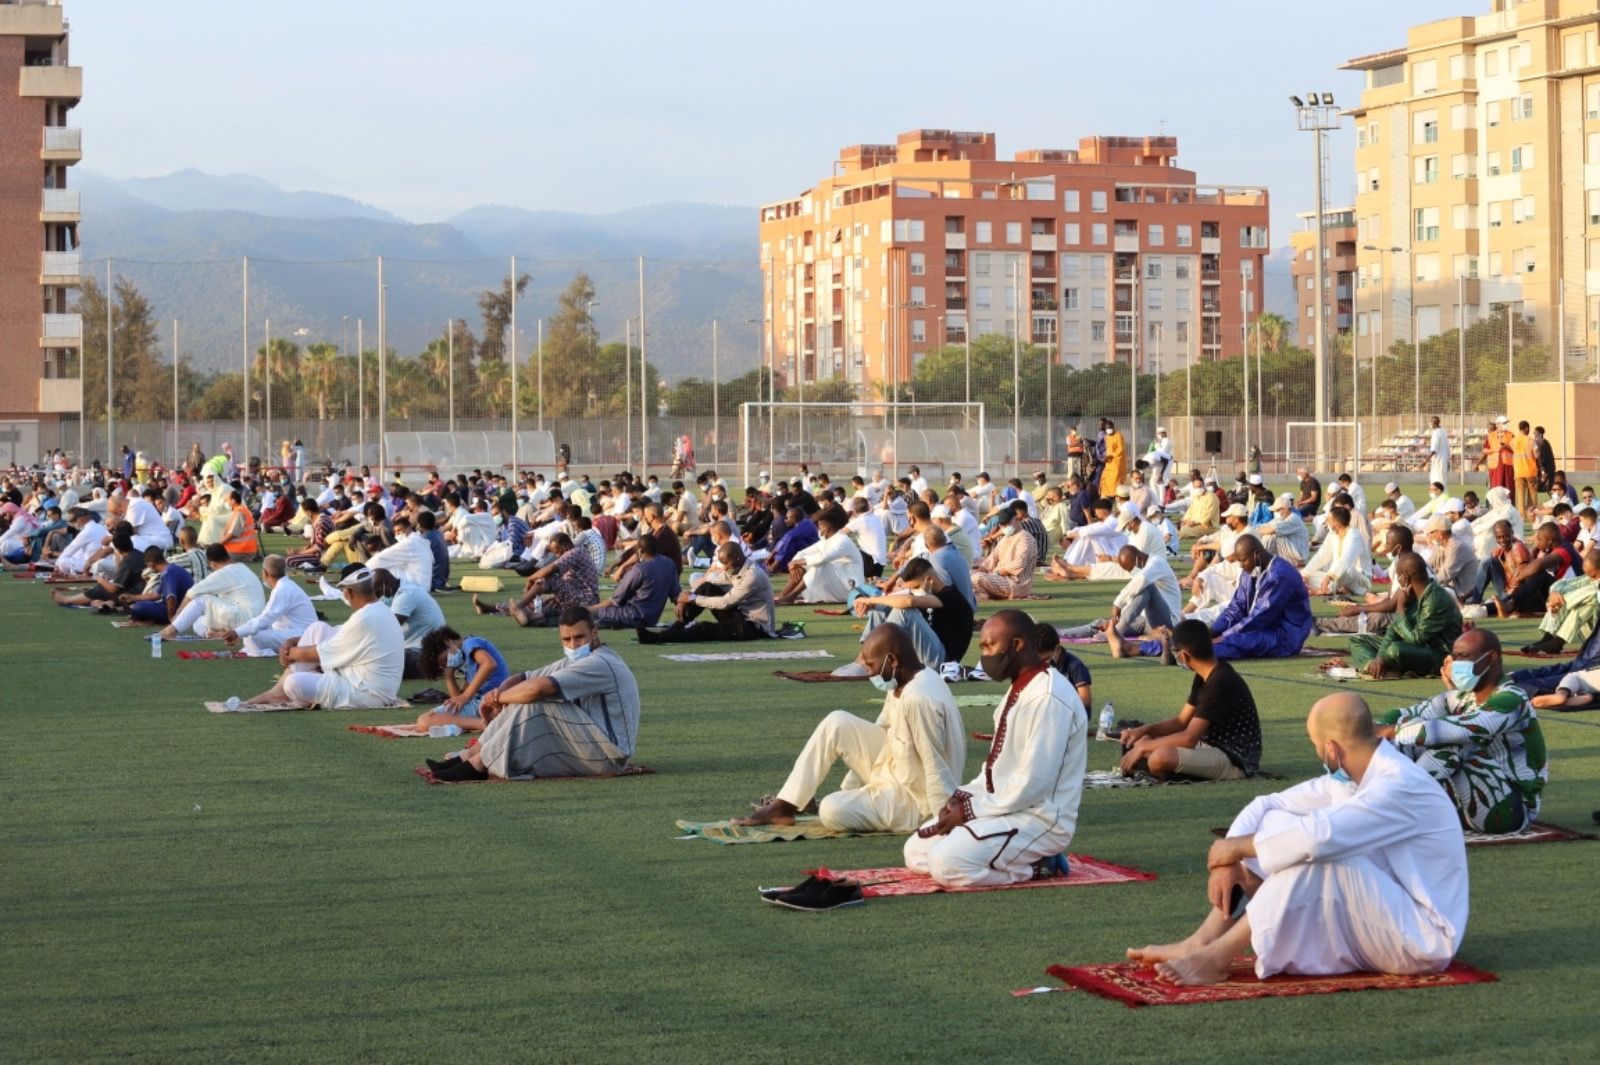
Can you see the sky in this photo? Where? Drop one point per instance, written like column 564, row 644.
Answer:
column 426, row 109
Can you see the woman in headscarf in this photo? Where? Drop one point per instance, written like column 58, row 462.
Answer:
column 1498, row 508
column 217, row 511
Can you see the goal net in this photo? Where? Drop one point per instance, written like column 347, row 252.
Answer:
column 845, row 439
column 1325, row 448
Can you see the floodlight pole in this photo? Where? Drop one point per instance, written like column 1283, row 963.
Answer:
column 1317, row 118
column 716, row 408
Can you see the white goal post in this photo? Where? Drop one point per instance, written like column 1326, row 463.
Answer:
column 1323, row 447
column 895, row 434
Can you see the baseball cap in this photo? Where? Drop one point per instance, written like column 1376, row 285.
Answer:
column 1502, row 420
column 1236, row 511
column 1439, row 524
column 1123, row 491
column 1454, row 506
column 940, row 511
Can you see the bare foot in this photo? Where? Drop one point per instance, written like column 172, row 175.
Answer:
column 1549, row 702
column 776, row 812
column 1115, row 643
column 1165, row 952
column 1193, row 970
column 479, row 607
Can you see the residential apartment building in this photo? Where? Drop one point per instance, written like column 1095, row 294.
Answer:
column 1109, row 252
column 1478, row 174
column 40, row 341
column 1338, row 272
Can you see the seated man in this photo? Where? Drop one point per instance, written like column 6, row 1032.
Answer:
column 1425, row 622
column 642, row 594
column 742, row 606
column 1270, row 614
column 149, row 528
column 569, row 579
column 1451, row 559
column 828, row 570
column 1480, row 739
column 903, row 767
column 1216, row 550
column 90, row 534
column 356, row 665
column 1006, row 572
column 445, row 652
column 1362, row 870
column 1374, row 612
column 228, row 596
column 1529, row 585
column 1497, row 575
column 287, row 615
column 160, row 605
column 935, row 616
column 1063, row 661
column 1343, row 564
column 1286, row 535
column 414, row 608
column 1217, row 734
column 1022, row 808
column 410, row 557
column 1100, row 539
column 126, row 579
column 1570, row 609
column 189, row 555
column 1203, row 515
column 1149, row 602
column 319, row 525
column 578, row 716
column 428, row 531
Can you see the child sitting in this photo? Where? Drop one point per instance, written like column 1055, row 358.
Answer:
column 445, row 652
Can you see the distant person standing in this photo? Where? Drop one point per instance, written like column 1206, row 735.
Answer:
column 1116, row 461
column 1076, row 450
column 1546, row 457
column 1525, row 469
column 1438, row 454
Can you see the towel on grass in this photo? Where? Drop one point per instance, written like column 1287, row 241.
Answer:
column 629, row 771
column 812, row 676
column 726, row 832
column 1134, row 984
column 1084, row 871
column 745, row 656
column 267, row 708
column 392, row 732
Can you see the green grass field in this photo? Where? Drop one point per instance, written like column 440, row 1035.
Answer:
column 185, row 887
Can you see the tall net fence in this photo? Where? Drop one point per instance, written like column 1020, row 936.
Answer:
column 428, row 362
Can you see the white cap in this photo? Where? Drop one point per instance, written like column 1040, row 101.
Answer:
column 940, row 511
column 1454, row 506
column 1236, row 511
column 1438, row 523
column 1211, row 479
column 357, row 577
column 1255, row 478
column 1285, row 502
column 1123, row 491
column 1391, row 487
column 1161, row 429
column 764, row 475
column 1502, row 420
column 1129, row 512
column 1154, row 511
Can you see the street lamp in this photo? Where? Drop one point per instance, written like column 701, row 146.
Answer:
column 1316, row 115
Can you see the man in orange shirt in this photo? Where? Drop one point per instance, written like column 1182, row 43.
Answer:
column 1497, row 454
column 1525, row 467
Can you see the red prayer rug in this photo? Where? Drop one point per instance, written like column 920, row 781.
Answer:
column 1541, row 654
column 898, row 880
column 391, row 732
column 1137, row 985
column 208, row 656
column 631, row 771
column 811, row 676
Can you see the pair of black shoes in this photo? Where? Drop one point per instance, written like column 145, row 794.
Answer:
column 456, row 770
column 815, row 894
column 1548, row 644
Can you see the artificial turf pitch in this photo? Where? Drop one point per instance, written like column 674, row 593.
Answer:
column 180, row 886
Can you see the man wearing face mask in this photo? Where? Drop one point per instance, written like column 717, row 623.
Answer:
column 1480, row 738
column 1021, row 810
column 1361, row 870
column 902, row 767
column 350, row 666
column 1425, row 623
column 578, row 716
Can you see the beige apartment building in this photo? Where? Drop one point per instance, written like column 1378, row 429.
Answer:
column 1478, row 174
column 40, row 340
column 1106, row 252
column 1338, row 272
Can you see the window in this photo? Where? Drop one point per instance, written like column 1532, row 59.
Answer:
column 1097, row 201
column 1592, row 148
column 984, row 233
column 984, row 297
column 1361, row 136
column 1464, row 266
column 919, row 296
column 1372, row 132
column 980, row 264
column 1461, row 117
column 1152, row 267
column 1517, row 216
column 1493, row 164
column 1496, row 265
column 1310, row 283
column 1181, row 300
column 1039, row 227
column 1069, row 200
column 1069, row 299
column 1527, row 207
column 1458, row 67
column 1247, row 267
column 1097, row 299
column 1461, row 217
column 1252, row 236
column 919, row 331
column 1069, row 267
column 1524, row 55
column 1098, row 233
column 1072, row 331
column 984, row 327
column 1185, row 236
column 953, row 224
column 1372, row 180
column 1425, row 76
column 1491, row 62
column 1180, row 267
column 1425, row 127
column 1594, row 101
column 909, row 229
column 1155, row 235
column 1522, row 159
column 919, row 264
column 1522, row 107
column 1010, row 297
column 1426, row 220
column 1182, row 331
column 1013, row 232
column 1125, row 329
column 1152, row 299
column 1460, row 166
column 1496, row 214
column 1427, row 170
column 1594, row 206
column 1153, row 332
column 1428, row 321
column 1427, row 268
column 1097, row 267
column 1097, row 331
column 1072, row 233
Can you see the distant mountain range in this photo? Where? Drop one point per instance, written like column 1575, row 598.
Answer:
column 179, row 238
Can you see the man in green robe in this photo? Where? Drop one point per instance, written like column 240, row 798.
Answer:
column 1426, row 622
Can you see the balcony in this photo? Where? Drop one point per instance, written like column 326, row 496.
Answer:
column 1043, row 303
column 1043, row 242
column 32, row 20
column 62, row 144
column 51, row 83
column 955, row 241
column 60, row 268
column 1127, row 242
column 61, row 205
column 955, row 303
column 62, row 331
column 1211, row 245
column 60, row 395
column 955, row 336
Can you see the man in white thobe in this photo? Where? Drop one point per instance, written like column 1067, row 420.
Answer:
column 903, row 767
column 1022, row 808
column 831, row 566
column 1362, row 870
column 409, row 557
column 90, row 537
column 1438, row 453
column 227, row 597
column 357, row 665
column 870, row 534
column 149, row 527
column 1084, row 545
column 1343, row 564
column 287, row 615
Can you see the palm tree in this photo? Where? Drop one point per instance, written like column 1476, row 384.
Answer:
column 494, row 377
column 1274, row 330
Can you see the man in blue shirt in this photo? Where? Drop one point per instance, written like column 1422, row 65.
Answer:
column 642, row 593
column 173, row 583
column 429, row 531
column 801, row 534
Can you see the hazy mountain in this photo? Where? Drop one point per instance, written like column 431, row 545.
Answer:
column 313, row 271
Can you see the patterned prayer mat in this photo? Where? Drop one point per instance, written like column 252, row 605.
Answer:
column 631, row 771
column 214, row 656
column 898, row 880
column 391, row 732
column 812, row 676
column 726, row 832
column 267, row 708
column 746, row 656
column 1541, row 654
column 1136, row 985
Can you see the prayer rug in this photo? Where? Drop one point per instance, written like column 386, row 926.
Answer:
column 1097, row 779
column 631, row 771
column 726, row 832
column 1318, row 652
column 66, row 580
column 831, row 613
column 746, row 656
column 898, row 880
column 811, row 676
column 391, row 732
column 208, row 656
column 985, row 737
column 1538, row 832
column 267, row 708
column 129, row 625
column 1542, row 654
column 1134, row 984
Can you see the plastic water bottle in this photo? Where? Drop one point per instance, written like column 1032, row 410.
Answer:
column 155, row 646
column 439, row 732
column 1361, row 623
column 232, row 703
column 1108, row 718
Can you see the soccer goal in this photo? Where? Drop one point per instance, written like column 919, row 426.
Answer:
column 1322, row 447
column 861, row 437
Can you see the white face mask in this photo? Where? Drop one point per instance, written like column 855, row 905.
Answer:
column 576, row 654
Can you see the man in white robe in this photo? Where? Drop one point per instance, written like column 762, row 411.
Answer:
column 227, row 597
column 1022, row 808
column 287, row 615
column 1085, row 545
column 409, row 557
column 903, row 767
column 1438, row 453
column 1362, row 870
column 91, row 535
column 149, row 528
column 1343, row 564
column 870, row 534
column 828, row 570
column 357, row 665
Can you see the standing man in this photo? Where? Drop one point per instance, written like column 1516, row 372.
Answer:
column 1116, row 461
column 1160, row 457
column 1546, row 457
column 1525, row 470
column 1076, row 452
column 1438, row 453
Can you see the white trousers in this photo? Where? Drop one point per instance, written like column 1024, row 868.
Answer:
column 862, row 804
column 1321, row 918
column 986, row 852
column 266, row 642
column 827, row 583
column 192, row 619
column 1355, row 582
column 305, row 685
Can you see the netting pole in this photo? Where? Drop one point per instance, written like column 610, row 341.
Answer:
column 644, row 382
column 627, row 387
column 516, row 450
column 1016, row 373
column 1244, row 354
column 450, row 342
column 361, row 394
column 983, row 437
column 111, row 447
column 177, row 448
column 540, row 380
column 266, row 353
column 1416, row 336
column 716, row 402
column 1461, row 356
column 1511, row 347
column 772, row 361
column 1261, row 426
column 966, row 333
column 383, row 374
column 744, row 443
column 244, row 339
column 1188, row 398
column 1561, row 360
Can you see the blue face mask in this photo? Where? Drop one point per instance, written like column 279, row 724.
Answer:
column 1337, row 773
column 455, row 659
column 1464, row 675
column 575, row 654
column 882, row 683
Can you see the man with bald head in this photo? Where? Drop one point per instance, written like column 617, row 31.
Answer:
column 1021, row 810
column 1363, row 869
column 902, row 767
column 1425, row 622
column 1480, row 738
column 1150, row 601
